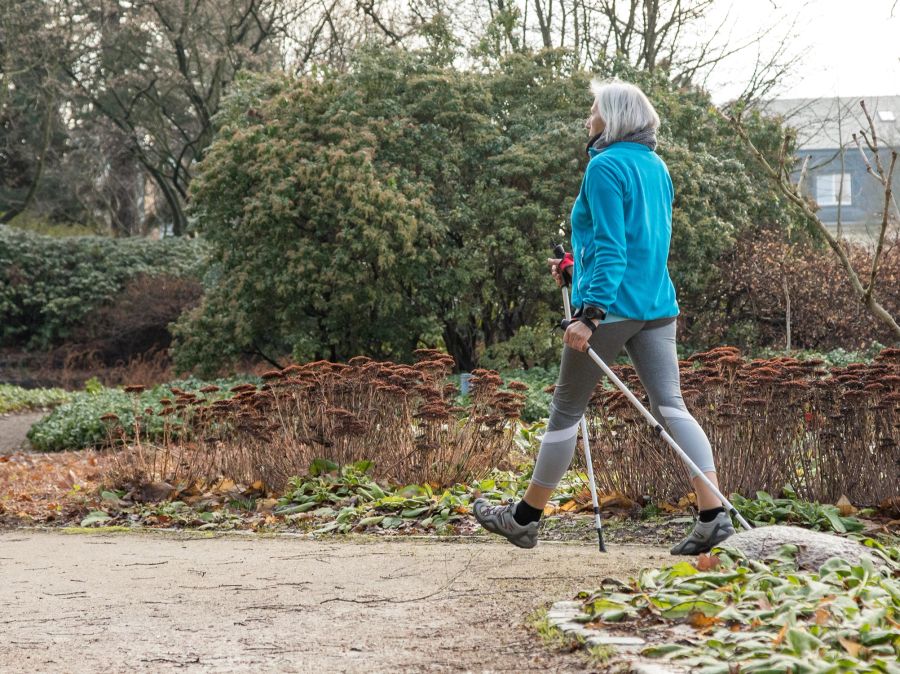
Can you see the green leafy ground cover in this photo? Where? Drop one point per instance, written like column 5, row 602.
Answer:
column 76, row 424
column 18, row 399
column 729, row 614
column 332, row 500
column 329, row 499
column 790, row 510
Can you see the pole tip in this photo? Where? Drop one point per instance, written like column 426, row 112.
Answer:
column 600, row 539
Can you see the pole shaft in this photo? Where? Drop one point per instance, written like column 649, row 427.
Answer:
column 664, row 435
column 589, row 464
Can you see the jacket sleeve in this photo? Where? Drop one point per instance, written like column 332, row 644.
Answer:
column 605, row 198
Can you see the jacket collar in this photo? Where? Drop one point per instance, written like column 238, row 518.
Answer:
column 590, row 149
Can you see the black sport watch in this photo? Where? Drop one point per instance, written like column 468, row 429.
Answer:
column 589, row 313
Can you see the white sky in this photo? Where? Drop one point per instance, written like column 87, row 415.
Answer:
column 845, row 47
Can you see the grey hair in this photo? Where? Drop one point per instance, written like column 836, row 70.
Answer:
column 624, row 108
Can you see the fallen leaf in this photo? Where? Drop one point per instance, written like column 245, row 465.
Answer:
column 845, row 508
column 225, row 486
column 822, row 615
column 851, row 647
column 706, row 562
column 780, row 636
column 266, row 504
column 700, row 621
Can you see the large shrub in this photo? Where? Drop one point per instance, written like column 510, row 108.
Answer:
column 755, row 282
column 407, row 202
column 49, row 286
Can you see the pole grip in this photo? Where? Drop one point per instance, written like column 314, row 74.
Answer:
column 559, row 252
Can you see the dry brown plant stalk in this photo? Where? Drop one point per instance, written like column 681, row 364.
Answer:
column 401, row 417
column 771, row 423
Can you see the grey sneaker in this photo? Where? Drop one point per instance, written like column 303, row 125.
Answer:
column 499, row 520
column 705, row 535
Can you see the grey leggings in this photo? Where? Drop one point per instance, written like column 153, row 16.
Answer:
column 651, row 347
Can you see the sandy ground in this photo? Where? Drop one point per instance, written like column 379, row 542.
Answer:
column 161, row 601
column 13, row 428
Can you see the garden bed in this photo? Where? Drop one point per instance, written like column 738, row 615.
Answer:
column 726, row 613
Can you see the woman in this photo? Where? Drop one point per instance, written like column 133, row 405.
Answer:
column 623, row 296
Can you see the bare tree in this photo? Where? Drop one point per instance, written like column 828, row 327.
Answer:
column 866, row 289
column 157, row 70
column 29, row 104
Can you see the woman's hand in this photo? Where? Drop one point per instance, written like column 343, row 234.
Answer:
column 577, row 335
column 554, row 269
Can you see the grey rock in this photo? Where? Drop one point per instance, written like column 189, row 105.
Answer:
column 155, row 492
column 602, row 639
column 644, row 667
column 815, row 547
column 567, row 605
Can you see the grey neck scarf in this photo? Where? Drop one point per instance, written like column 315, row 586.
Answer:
column 644, row 137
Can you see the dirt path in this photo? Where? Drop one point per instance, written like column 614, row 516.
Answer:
column 157, row 602
column 13, row 430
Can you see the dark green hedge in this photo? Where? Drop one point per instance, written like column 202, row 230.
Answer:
column 48, row 286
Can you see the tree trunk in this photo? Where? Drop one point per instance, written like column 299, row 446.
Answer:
column 179, row 220
column 461, row 347
column 47, row 128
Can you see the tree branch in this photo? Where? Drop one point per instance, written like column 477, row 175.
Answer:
column 788, row 189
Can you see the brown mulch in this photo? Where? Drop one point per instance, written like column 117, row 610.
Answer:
column 49, row 487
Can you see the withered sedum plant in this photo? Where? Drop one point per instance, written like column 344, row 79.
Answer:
column 402, row 417
column 771, row 423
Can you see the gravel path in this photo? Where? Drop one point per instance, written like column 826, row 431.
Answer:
column 13, row 429
column 160, row 601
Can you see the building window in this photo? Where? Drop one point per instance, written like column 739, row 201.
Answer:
column 828, row 187
column 886, row 115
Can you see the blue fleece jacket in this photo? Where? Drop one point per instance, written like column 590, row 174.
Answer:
column 621, row 228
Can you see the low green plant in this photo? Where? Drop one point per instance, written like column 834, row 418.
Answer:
column 76, row 423
column 837, row 357
column 351, row 501
column 354, row 500
column 790, row 510
column 46, row 227
column 16, row 398
column 537, row 400
column 761, row 616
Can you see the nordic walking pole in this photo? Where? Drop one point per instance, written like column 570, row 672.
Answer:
column 650, row 420
column 560, row 252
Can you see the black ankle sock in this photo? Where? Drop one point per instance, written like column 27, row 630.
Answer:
column 525, row 514
column 710, row 515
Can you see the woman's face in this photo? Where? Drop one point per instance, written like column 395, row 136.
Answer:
column 595, row 123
